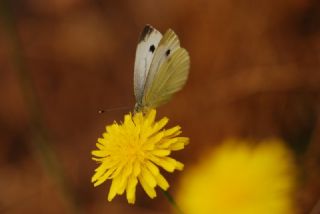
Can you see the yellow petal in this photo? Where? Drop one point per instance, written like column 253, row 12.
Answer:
column 100, row 146
column 184, row 140
column 110, row 129
column 151, row 116
column 128, row 121
column 98, row 159
column 98, row 172
column 162, row 182
column 161, row 152
column 119, row 169
column 149, row 190
column 152, row 168
column 149, row 120
column 148, row 177
column 101, row 141
column 160, row 124
column 153, row 140
column 104, row 135
column 99, row 153
column 136, row 168
column 165, row 143
column 172, row 131
column 179, row 165
column 164, row 163
column 131, row 189
column 113, row 189
column 127, row 170
column 177, row 146
column 99, row 180
column 123, row 181
column 138, row 118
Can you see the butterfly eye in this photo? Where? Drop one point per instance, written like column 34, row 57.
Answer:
column 168, row 52
column 152, row 48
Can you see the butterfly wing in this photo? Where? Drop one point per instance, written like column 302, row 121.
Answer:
column 168, row 71
column 148, row 43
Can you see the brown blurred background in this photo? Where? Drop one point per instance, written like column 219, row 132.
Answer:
column 255, row 73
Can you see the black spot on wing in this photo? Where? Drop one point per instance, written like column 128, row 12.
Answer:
column 147, row 30
column 168, row 52
column 152, row 48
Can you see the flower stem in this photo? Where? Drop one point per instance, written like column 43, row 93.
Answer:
column 172, row 201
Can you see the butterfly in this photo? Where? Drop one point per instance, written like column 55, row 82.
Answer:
column 161, row 68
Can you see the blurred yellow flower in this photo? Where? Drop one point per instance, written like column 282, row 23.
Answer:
column 240, row 178
column 132, row 151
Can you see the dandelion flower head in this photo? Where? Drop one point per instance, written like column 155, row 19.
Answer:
column 240, row 178
column 133, row 151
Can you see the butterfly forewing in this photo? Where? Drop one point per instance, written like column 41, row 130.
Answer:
column 166, row 48
column 148, row 43
column 168, row 44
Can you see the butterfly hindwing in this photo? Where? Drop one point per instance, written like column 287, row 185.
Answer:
column 148, row 43
column 168, row 71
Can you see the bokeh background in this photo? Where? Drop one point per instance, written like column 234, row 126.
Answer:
column 255, row 73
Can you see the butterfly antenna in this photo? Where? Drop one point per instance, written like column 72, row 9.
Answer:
column 101, row 111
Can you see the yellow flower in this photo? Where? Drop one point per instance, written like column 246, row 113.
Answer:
column 240, row 178
column 130, row 152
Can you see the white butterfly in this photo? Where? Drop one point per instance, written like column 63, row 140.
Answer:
column 161, row 68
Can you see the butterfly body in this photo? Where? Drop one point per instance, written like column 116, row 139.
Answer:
column 161, row 68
